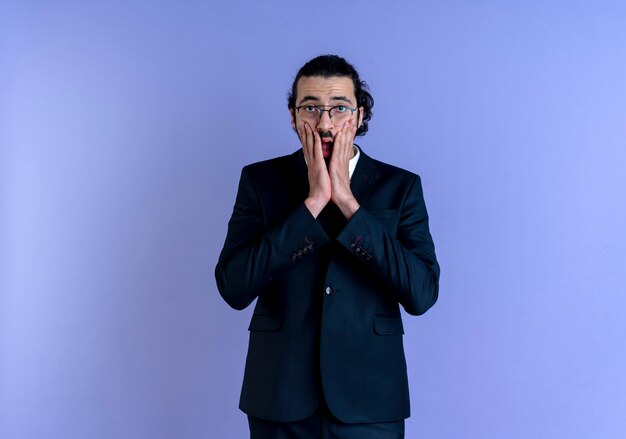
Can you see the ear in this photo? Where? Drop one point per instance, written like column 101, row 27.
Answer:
column 360, row 117
column 293, row 118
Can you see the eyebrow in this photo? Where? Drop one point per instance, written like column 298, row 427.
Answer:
column 334, row 98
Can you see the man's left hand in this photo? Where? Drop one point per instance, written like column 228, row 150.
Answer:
column 343, row 151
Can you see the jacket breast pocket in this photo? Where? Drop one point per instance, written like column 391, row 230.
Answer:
column 265, row 323
column 388, row 325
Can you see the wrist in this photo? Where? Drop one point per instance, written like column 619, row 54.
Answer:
column 348, row 206
column 315, row 205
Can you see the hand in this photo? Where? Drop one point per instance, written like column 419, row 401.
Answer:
column 319, row 180
column 343, row 151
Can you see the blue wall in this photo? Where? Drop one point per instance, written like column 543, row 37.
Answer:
column 123, row 129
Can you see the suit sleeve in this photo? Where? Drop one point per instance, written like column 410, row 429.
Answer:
column 255, row 254
column 406, row 262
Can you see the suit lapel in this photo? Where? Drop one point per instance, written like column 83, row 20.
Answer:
column 363, row 178
column 301, row 177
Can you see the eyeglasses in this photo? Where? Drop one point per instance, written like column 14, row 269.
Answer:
column 338, row 113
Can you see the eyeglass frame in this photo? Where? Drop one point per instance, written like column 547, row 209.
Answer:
column 321, row 110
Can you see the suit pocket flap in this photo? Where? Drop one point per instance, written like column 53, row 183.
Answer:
column 384, row 325
column 265, row 323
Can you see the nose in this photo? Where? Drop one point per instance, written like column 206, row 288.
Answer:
column 324, row 123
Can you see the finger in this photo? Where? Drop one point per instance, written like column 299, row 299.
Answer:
column 308, row 141
column 337, row 147
column 303, row 140
column 344, row 140
column 309, row 145
column 317, row 145
column 350, row 131
column 300, row 128
column 314, row 144
column 351, row 128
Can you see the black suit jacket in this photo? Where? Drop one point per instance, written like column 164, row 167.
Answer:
column 327, row 320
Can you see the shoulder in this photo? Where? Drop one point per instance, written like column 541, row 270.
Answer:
column 386, row 170
column 276, row 173
column 272, row 165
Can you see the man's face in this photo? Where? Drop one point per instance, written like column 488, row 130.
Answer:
column 326, row 93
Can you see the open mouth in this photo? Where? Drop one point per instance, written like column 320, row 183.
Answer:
column 327, row 146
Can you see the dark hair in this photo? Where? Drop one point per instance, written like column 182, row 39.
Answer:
column 328, row 66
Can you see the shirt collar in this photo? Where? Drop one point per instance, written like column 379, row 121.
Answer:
column 353, row 161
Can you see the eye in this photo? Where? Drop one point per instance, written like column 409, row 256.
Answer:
column 310, row 108
column 341, row 108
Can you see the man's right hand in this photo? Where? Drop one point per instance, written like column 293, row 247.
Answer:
column 319, row 180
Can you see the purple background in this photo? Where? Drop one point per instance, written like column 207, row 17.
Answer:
column 123, row 129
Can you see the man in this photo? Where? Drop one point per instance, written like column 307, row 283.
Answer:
column 330, row 242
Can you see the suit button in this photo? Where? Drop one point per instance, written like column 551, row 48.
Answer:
column 352, row 245
column 329, row 290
